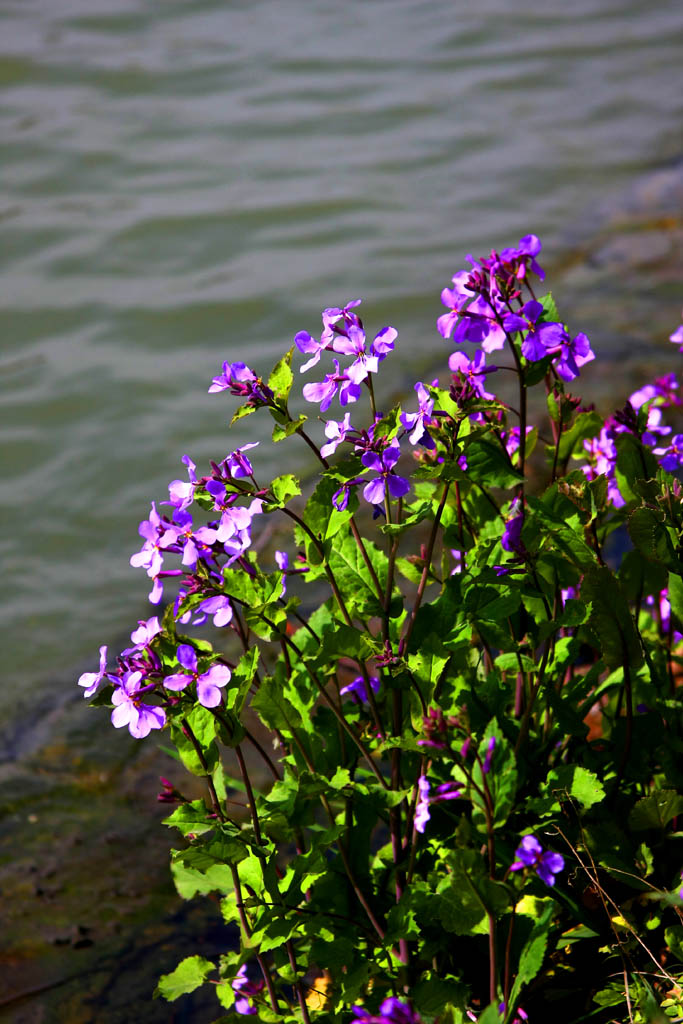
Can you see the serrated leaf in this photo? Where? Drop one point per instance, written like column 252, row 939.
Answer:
column 656, row 810
column 283, row 488
column 188, row 975
column 281, row 377
column 191, row 817
column 611, row 621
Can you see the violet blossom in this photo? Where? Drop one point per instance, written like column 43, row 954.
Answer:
column 208, row 683
column 307, row 344
column 220, row 607
column 473, row 371
column 181, row 492
column 358, row 690
column 671, row 457
column 539, row 337
column 238, row 464
column 415, row 423
column 324, row 392
column 677, row 337
column 530, row 854
column 336, row 432
column 490, row 747
column 352, row 343
column 470, row 316
column 91, row 680
column 241, row 381
column 422, row 814
column 383, row 463
column 129, row 709
column 245, row 988
column 392, row 1011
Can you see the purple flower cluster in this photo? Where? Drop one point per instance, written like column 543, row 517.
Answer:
column 343, row 333
column 485, row 307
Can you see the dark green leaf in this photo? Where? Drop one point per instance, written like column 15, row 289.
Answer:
column 656, row 810
column 610, row 620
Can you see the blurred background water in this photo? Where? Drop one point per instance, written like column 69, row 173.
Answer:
column 188, row 181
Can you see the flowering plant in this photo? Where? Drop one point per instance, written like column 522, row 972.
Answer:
column 456, row 681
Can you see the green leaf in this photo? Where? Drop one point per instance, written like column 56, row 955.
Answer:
column 610, row 620
column 586, row 425
column 634, row 462
column 283, row 488
column 655, row 810
column 188, row 975
column 533, row 954
column 242, row 678
column 320, row 515
column 651, row 537
column 428, row 664
column 579, row 783
column 203, row 725
column 281, row 377
column 353, row 576
column 284, row 430
column 244, row 410
column 489, row 464
column 190, row 881
column 192, row 817
column 273, row 707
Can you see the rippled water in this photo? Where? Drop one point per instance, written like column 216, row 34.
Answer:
column 185, row 182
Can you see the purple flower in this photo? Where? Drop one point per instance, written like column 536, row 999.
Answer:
column 473, row 371
column 353, row 344
column 149, row 557
column 510, row 439
column 522, row 259
column 677, row 337
column 146, row 631
column 129, row 709
column 415, row 423
column 512, row 534
column 181, row 493
column 208, row 683
column 383, row 463
column 91, row 680
column 220, row 607
column 336, row 433
column 572, row 355
column 672, row 457
column 530, row 854
column 244, row 989
column 358, row 689
column 243, row 382
column 392, row 1011
column 470, row 317
column 238, row 464
column 539, row 337
column 334, row 314
column 422, row 814
column 324, row 392
column 309, row 346
column 491, row 746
